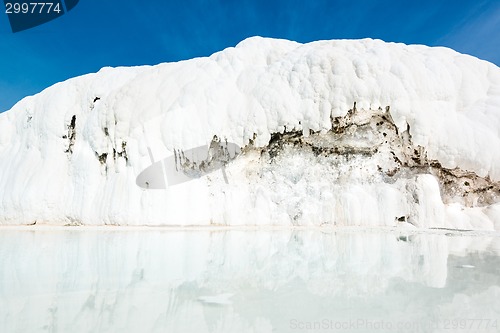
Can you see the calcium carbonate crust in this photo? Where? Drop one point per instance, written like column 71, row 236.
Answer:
column 343, row 132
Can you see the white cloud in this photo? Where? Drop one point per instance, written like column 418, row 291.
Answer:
column 478, row 35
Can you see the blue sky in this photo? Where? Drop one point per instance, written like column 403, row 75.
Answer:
column 98, row 33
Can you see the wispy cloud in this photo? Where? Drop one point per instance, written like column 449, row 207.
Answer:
column 478, row 35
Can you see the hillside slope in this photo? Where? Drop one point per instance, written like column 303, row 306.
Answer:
column 342, row 132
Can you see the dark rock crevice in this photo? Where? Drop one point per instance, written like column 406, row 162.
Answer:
column 71, row 136
column 374, row 134
column 202, row 160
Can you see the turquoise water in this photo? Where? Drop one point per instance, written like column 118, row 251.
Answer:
column 75, row 280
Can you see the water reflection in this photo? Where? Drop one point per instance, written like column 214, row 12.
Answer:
column 244, row 281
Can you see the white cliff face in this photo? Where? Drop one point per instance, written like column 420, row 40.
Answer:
column 332, row 132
